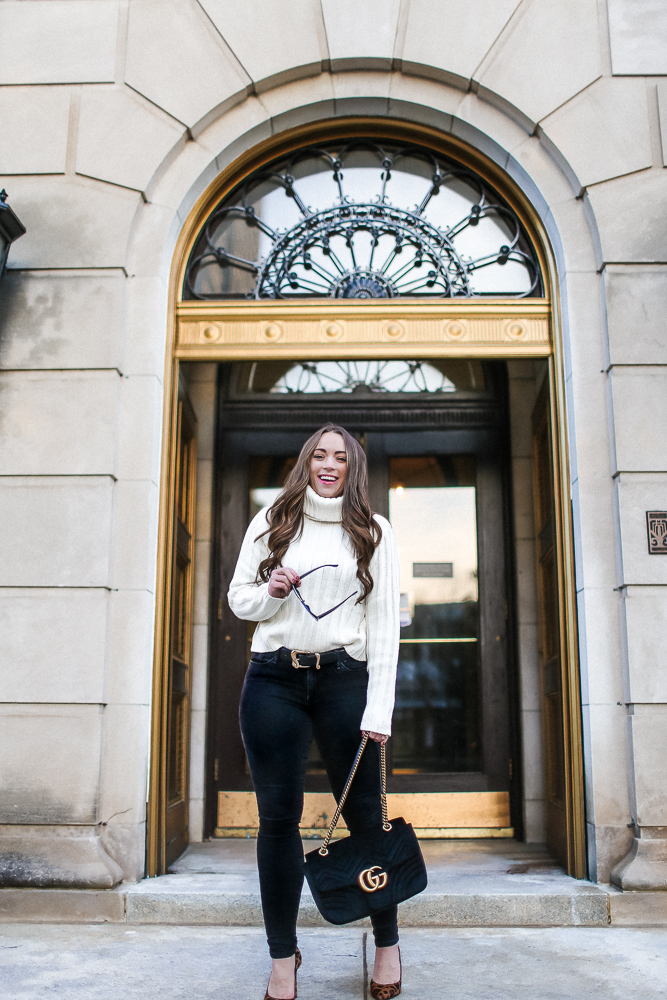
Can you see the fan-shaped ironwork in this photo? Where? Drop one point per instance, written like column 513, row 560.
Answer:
column 362, row 247
column 363, row 376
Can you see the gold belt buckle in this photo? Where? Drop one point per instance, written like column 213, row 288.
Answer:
column 304, row 652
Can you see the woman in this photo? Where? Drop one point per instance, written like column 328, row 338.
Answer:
column 320, row 530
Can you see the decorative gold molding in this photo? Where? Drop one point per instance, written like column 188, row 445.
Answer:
column 328, row 328
column 569, row 633
column 157, row 791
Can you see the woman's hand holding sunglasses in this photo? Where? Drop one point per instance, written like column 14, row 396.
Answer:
column 281, row 580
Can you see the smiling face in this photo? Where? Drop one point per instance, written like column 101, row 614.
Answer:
column 328, row 466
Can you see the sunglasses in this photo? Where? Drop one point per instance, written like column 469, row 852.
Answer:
column 303, row 577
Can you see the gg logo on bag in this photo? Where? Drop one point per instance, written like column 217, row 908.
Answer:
column 370, row 882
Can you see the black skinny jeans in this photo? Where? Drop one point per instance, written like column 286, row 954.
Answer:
column 281, row 710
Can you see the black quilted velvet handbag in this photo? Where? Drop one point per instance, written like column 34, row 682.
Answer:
column 367, row 872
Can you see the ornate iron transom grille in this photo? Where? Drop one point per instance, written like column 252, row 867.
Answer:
column 363, row 377
column 362, row 220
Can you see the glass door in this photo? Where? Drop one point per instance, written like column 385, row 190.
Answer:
column 433, row 510
column 443, row 493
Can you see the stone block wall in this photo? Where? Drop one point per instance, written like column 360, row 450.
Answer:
column 116, row 116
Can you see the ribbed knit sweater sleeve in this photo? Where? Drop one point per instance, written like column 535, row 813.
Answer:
column 383, row 631
column 248, row 599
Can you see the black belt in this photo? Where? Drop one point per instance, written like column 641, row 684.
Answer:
column 302, row 658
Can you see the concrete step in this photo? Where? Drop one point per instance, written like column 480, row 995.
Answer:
column 230, row 901
column 471, row 884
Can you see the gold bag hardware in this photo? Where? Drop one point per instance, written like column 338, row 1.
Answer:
column 370, row 882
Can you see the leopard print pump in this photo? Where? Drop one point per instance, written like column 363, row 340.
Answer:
column 387, row 991
column 297, row 964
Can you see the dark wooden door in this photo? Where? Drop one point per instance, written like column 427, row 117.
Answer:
column 452, row 724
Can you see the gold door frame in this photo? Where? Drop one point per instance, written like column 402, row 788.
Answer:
column 337, row 329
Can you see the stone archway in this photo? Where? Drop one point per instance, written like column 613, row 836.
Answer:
column 212, row 332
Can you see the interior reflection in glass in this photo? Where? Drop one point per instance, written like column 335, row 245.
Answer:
column 433, row 376
column 432, row 507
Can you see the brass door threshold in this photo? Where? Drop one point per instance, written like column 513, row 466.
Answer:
column 434, row 815
column 423, row 833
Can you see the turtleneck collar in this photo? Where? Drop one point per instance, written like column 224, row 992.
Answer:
column 319, row 508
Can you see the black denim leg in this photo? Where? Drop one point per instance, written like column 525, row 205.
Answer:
column 280, row 708
column 277, row 733
column 338, row 705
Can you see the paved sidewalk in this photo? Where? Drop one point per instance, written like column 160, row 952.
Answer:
column 114, row 962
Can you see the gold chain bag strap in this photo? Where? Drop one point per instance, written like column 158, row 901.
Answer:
column 386, row 825
column 370, row 870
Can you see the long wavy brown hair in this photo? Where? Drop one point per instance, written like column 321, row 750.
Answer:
column 286, row 515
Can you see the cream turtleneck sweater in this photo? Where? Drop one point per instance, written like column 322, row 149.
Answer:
column 368, row 631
